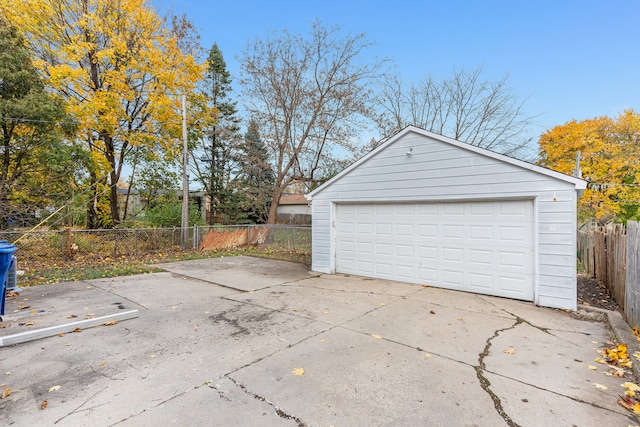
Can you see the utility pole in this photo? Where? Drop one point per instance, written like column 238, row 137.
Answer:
column 185, row 176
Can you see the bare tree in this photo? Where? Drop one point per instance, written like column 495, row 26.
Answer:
column 464, row 107
column 310, row 96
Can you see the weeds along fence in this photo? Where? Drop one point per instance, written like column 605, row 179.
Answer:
column 611, row 254
column 58, row 246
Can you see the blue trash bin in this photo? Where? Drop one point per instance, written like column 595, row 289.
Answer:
column 6, row 254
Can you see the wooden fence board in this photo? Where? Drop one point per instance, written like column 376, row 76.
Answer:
column 632, row 275
column 603, row 253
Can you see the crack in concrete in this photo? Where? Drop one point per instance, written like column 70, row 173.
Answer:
column 574, row 398
column 279, row 411
column 484, row 381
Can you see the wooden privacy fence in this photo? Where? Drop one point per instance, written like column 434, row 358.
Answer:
column 610, row 253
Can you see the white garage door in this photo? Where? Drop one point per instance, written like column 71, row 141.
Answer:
column 482, row 247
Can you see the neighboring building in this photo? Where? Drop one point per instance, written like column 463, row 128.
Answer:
column 294, row 209
column 426, row 209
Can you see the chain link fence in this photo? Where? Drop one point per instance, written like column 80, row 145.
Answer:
column 59, row 246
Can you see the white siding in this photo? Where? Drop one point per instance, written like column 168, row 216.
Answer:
column 439, row 171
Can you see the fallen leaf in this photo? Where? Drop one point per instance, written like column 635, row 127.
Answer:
column 77, row 330
column 111, row 323
column 103, row 364
column 591, row 367
column 631, row 386
column 323, row 340
column 298, row 372
column 6, row 393
column 376, row 336
column 23, row 307
column 600, row 386
column 636, row 354
column 432, row 312
column 73, row 316
column 296, row 310
column 31, row 323
column 460, row 318
column 382, row 304
column 509, row 350
column 325, row 312
column 427, row 355
column 55, row 388
column 425, row 286
column 599, row 360
column 43, row 405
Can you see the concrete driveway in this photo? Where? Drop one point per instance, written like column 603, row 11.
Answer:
column 217, row 343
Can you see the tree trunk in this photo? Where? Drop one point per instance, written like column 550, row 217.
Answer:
column 92, row 213
column 113, row 198
column 275, row 200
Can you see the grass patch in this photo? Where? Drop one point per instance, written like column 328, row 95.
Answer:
column 86, row 268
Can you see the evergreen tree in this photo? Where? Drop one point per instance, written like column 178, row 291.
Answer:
column 256, row 176
column 215, row 162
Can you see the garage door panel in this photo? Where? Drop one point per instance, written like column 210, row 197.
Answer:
column 513, row 284
column 430, row 209
column 404, row 210
column 383, row 249
column 484, row 247
column 481, row 233
column 385, row 269
column 429, row 275
column 481, row 257
column 427, row 253
column 404, row 230
column 365, row 247
column 453, row 209
column 453, row 254
column 405, row 271
column 453, row 278
column 482, row 209
column 404, row 251
column 512, row 259
column 384, row 229
column 450, row 231
column 382, row 209
column 512, row 234
column 481, row 282
column 364, row 228
column 427, row 230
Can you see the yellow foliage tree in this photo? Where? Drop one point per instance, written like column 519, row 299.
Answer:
column 610, row 153
column 122, row 69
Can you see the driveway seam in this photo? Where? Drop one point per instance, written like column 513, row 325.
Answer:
column 114, row 293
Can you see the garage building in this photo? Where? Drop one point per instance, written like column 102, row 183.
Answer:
column 426, row 209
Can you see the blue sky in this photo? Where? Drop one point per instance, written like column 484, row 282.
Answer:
column 569, row 59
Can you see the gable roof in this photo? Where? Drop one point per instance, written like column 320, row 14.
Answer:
column 293, row 199
column 579, row 183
